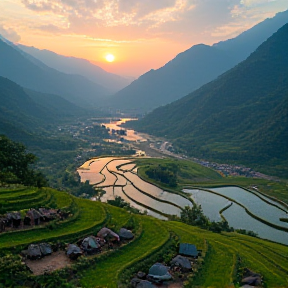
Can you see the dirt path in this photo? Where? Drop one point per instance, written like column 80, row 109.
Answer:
column 49, row 263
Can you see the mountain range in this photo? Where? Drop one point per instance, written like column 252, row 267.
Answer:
column 71, row 65
column 241, row 116
column 31, row 73
column 192, row 68
column 25, row 114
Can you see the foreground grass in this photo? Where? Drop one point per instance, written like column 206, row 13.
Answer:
column 87, row 214
column 267, row 258
column 221, row 251
column 106, row 272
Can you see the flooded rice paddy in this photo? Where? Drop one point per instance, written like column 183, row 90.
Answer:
column 260, row 208
column 118, row 177
column 118, row 180
column 237, row 216
column 211, row 204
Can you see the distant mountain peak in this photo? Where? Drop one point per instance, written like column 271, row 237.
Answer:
column 241, row 116
column 29, row 72
column 78, row 66
column 192, row 68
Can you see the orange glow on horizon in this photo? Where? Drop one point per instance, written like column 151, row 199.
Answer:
column 141, row 36
column 131, row 59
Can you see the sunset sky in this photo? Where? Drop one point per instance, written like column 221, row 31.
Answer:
column 141, row 34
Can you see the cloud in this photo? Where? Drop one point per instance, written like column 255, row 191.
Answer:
column 251, row 3
column 129, row 19
column 247, row 13
column 9, row 34
column 186, row 21
column 51, row 28
column 109, row 13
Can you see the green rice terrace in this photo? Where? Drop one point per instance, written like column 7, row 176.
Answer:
column 222, row 257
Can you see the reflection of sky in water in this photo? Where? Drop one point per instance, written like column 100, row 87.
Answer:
column 135, row 194
column 118, row 192
column 239, row 219
column 113, row 164
column 120, row 180
column 270, row 200
column 157, row 192
column 254, row 204
column 108, row 195
column 211, row 204
column 143, row 185
column 109, row 178
column 235, row 215
column 92, row 177
column 95, row 165
column 131, row 134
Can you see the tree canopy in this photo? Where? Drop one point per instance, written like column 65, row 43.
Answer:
column 15, row 164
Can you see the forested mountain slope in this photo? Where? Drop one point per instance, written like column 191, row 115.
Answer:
column 31, row 73
column 18, row 109
column 24, row 114
column 241, row 116
column 193, row 68
column 185, row 73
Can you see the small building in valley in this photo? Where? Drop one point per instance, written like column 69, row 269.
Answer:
column 188, row 250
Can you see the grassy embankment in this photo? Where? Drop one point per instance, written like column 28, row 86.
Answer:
column 222, row 251
column 191, row 174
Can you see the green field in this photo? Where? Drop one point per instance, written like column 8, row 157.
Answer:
column 191, row 174
column 221, row 251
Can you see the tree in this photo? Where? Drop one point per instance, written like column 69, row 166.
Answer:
column 166, row 174
column 118, row 202
column 15, row 164
column 194, row 216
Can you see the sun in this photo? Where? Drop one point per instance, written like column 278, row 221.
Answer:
column 110, row 58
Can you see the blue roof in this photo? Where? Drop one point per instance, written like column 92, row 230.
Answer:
column 188, row 249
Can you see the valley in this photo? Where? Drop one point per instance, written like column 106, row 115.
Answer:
column 143, row 147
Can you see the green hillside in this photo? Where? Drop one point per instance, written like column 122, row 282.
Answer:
column 192, row 68
column 31, row 73
column 224, row 253
column 239, row 117
column 24, row 114
column 18, row 108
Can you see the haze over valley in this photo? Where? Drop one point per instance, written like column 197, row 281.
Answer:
column 129, row 130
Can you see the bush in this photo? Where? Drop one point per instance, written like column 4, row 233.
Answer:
column 166, row 174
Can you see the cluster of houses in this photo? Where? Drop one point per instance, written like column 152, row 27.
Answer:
column 181, row 264
column 87, row 246
column 93, row 244
column 32, row 217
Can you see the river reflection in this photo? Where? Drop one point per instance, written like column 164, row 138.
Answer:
column 131, row 135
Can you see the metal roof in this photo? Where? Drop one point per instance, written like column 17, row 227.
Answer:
column 188, row 249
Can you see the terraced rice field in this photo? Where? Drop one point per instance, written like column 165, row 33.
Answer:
column 220, row 251
column 248, row 211
column 252, row 202
column 121, row 179
column 117, row 172
column 90, row 170
column 149, row 202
